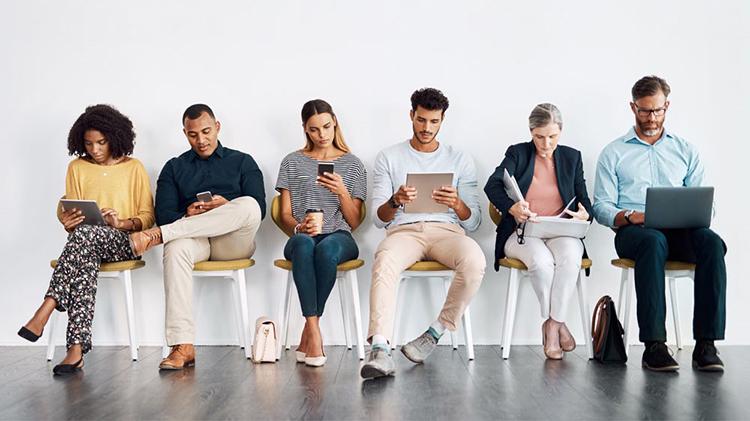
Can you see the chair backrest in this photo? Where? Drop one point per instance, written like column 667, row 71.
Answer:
column 495, row 215
column 276, row 214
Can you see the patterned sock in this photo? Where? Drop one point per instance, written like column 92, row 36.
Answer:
column 436, row 329
column 379, row 342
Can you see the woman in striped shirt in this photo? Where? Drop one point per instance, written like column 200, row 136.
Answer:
column 319, row 244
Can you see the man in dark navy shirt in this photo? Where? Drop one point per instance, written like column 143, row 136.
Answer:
column 216, row 226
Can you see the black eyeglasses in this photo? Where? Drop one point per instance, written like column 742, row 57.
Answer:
column 646, row 112
column 520, row 230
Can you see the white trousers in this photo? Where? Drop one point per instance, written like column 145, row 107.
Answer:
column 553, row 265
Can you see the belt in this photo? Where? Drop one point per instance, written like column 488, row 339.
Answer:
column 426, row 222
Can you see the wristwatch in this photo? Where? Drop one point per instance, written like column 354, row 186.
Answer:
column 627, row 215
column 392, row 202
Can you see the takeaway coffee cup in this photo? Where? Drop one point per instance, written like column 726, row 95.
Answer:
column 316, row 215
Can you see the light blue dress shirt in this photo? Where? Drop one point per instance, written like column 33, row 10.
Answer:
column 628, row 166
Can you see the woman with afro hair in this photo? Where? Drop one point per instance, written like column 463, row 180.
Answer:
column 102, row 139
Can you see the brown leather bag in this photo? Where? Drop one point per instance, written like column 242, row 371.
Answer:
column 607, row 332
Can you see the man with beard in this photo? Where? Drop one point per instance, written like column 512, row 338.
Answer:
column 411, row 237
column 651, row 156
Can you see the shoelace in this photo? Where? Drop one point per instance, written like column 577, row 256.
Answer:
column 654, row 347
column 425, row 340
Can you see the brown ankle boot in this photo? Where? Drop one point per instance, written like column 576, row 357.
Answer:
column 182, row 355
column 141, row 241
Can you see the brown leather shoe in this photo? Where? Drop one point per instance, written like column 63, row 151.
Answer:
column 141, row 241
column 182, row 355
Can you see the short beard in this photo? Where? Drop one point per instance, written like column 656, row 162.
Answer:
column 650, row 132
column 419, row 138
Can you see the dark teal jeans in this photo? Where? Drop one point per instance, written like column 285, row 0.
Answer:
column 314, row 261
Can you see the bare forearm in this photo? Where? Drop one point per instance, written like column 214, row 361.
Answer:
column 351, row 209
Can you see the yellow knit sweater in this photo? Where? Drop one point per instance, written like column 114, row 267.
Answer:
column 123, row 187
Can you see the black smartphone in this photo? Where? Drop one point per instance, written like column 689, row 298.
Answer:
column 324, row 167
column 205, row 196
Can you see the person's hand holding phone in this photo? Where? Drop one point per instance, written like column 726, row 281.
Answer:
column 71, row 218
column 333, row 182
column 197, row 208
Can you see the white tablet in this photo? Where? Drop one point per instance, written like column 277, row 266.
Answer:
column 425, row 183
column 91, row 212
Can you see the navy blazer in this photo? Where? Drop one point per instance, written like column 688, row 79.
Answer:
column 519, row 161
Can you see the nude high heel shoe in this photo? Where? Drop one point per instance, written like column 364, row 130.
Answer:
column 550, row 353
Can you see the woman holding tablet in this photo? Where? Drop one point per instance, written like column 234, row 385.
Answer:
column 102, row 139
column 549, row 176
column 321, row 207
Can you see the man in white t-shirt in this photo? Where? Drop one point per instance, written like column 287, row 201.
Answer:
column 411, row 237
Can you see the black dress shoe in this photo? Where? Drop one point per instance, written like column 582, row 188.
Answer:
column 656, row 357
column 29, row 335
column 706, row 357
column 63, row 369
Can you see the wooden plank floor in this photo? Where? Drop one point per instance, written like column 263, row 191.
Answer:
column 226, row 386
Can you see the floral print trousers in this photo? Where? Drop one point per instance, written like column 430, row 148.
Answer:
column 73, row 284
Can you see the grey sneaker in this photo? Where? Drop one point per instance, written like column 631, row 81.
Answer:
column 420, row 348
column 379, row 364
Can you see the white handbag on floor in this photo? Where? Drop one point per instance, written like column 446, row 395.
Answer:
column 264, row 344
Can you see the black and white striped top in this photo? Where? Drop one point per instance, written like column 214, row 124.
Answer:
column 297, row 174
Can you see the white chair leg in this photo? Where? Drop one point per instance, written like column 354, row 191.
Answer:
column 585, row 314
column 628, row 276
column 401, row 295
column 621, row 296
column 354, row 288
column 468, row 337
column 288, row 310
column 341, row 284
column 286, row 280
column 244, row 319
column 446, row 287
column 675, row 311
column 130, row 311
column 236, row 307
column 52, row 324
column 511, row 300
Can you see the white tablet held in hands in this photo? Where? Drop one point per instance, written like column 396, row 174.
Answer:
column 425, row 183
column 89, row 208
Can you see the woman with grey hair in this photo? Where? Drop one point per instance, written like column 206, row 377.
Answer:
column 549, row 176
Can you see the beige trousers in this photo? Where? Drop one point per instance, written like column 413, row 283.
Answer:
column 224, row 233
column 406, row 244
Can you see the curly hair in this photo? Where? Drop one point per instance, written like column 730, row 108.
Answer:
column 116, row 128
column 429, row 99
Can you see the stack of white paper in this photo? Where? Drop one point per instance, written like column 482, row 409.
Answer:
column 546, row 226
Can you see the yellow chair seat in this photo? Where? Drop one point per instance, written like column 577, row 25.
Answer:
column 517, row 264
column 428, row 265
column 671, row 264
column 114, row 266
column 348, row 265
column 216, row 265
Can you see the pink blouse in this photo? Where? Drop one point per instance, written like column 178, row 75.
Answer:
column 543, row 195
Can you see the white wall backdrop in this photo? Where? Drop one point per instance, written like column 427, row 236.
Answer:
column 256, row 63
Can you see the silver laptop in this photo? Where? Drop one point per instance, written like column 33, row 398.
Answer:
column 679, row 207
column 425, row 183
